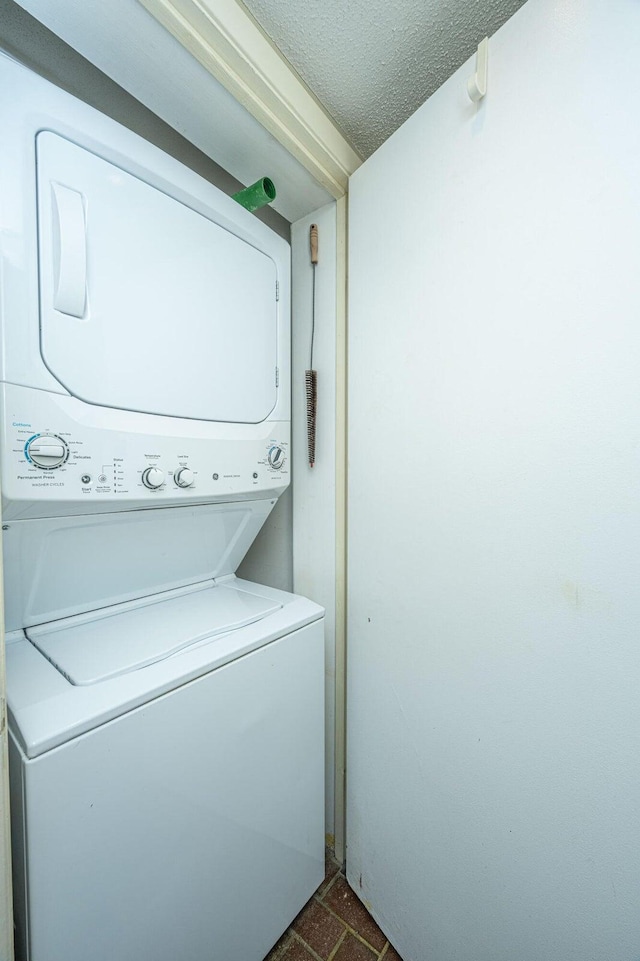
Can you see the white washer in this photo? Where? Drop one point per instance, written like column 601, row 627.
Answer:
column 165, row 812
column 166, row 718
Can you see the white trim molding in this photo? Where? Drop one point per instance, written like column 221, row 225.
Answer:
column 228, row 42
column 341, row 455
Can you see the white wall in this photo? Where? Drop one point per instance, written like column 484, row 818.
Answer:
column 270, row 558
column 494, row 511
column 314, row 489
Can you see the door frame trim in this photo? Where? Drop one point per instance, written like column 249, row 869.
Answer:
column 223, row 36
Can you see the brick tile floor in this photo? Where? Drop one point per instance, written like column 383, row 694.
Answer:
column 333, row 926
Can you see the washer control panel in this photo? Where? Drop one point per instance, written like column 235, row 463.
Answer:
column 59, row 456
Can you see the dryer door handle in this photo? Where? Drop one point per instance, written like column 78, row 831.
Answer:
column 69, row 250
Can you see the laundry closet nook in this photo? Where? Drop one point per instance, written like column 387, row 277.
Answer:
column 320, row 513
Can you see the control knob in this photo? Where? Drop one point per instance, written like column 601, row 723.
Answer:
column 183, row 477
column 47, row 451
column 153, row 478
column 276, row 457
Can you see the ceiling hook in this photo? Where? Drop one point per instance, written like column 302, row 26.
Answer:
column 477, row 85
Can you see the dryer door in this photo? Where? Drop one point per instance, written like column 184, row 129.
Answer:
column 146, row 304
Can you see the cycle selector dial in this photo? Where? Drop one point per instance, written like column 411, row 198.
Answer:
column 276, row 457
column 47, row 451
column 183, row 477
column 153, row 478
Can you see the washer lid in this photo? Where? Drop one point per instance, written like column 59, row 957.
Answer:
column 94, row 647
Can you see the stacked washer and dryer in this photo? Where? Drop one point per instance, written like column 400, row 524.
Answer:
column 166, row 717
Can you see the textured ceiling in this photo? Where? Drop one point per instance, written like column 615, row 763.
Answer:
column 373, row 62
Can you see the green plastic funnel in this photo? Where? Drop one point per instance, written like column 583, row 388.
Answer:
column 259, row 194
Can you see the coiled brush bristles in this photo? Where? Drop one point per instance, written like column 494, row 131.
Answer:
column 311, row 385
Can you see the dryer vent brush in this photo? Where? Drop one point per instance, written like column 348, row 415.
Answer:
column 310, row 376
column 311, row 387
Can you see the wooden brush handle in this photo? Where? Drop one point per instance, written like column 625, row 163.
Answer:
column 313, row 242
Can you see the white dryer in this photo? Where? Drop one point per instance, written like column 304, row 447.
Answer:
column 166, row 718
